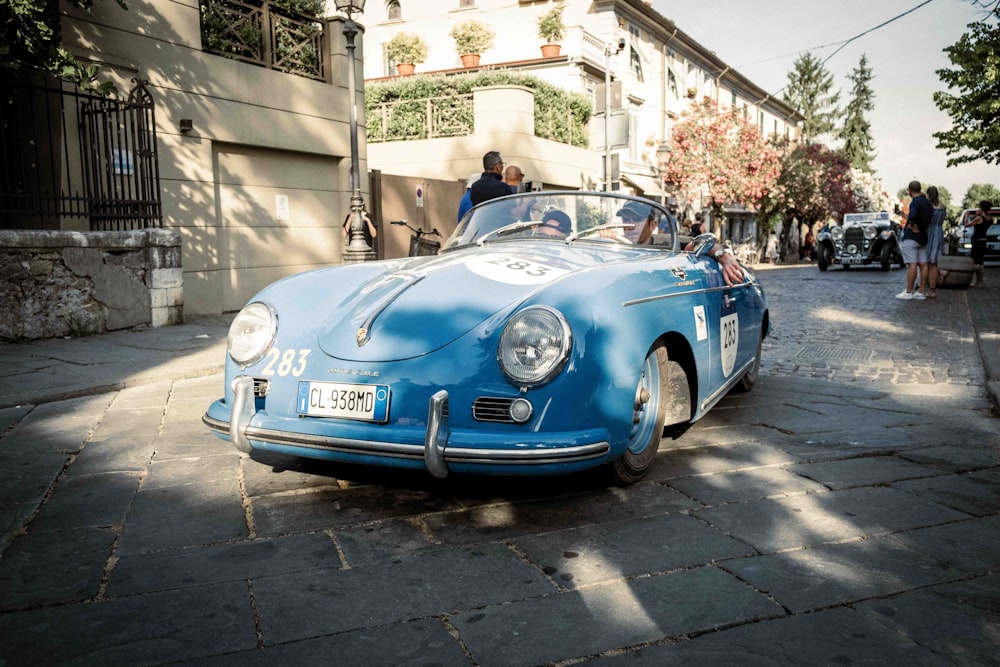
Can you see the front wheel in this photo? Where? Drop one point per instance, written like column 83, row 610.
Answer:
column 648, row 416
column 886, row 257
column 823, row 257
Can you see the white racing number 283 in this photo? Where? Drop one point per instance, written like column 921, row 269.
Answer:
column 730, row 341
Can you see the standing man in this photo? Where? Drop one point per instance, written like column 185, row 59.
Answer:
column 490, row 185
column 514, row 177
column 914, row 245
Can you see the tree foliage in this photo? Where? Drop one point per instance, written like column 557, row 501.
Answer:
column 978, row 192
column 859, row 145
column 809, row 92
column 30, row 39
column 975, row 109
column 723, row 152
column 814, row 185
column 868, row 192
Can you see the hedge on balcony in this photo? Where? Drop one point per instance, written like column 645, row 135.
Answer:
column 559, row 115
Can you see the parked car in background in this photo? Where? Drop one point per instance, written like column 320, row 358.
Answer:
column 540, row 340
column 992, row 234
column 862, row 238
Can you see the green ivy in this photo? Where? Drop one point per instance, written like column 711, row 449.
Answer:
column 559, row 115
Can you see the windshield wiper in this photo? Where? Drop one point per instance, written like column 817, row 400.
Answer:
column 512, row 228
column 590, row 230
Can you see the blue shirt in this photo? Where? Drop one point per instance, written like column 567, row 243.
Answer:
column 464, row 204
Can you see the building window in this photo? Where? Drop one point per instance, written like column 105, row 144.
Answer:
column 733, row 103
column 635, row 63
column 672, row 84
column 393, row 12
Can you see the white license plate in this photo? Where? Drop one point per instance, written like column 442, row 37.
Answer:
column 365, row 402
column 852, row 260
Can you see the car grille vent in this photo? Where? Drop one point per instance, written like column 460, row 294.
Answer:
column 261, row 386
column 855, row 235
column 491, row 409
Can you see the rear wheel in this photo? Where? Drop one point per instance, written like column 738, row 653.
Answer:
column 648, row 416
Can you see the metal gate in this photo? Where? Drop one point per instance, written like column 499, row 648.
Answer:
column 74, row 154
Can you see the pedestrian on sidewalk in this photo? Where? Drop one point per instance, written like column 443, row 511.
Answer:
column 935, row 240
column 980, row 222
column 914, row 245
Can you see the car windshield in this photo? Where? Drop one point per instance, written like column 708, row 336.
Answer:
column 566, row 217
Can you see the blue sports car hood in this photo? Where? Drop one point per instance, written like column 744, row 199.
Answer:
column 415, row 307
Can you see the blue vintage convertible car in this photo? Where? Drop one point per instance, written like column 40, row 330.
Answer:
column 542, row 339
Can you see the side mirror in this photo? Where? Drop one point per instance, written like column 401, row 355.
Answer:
column 703, row 243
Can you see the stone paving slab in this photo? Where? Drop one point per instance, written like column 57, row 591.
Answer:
column 54, row 567
column 972, row 546
column 776, row 524
column 307, row 604
column 611, row 551
column 180, row 516
column 954, row 458
column 217, row 563
column 835, row 574
column 959, row 621
column 977, row 493
column 423, row 642
column 173, row 626
column 721, row 488
column 864, row 471
column 542, row 630
column 835, row 637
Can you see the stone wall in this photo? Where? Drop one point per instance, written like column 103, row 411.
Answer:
column 61, row 283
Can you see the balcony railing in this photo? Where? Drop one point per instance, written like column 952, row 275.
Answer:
column 261, row 33
column 428, row 118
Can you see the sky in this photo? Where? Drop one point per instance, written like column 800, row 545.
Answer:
column 761, row 39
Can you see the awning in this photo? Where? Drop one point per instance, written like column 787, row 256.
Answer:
column 646, row 185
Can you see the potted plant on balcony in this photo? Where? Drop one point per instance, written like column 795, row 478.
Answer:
column 551, row 29
column 407, row 50
column 471, row 39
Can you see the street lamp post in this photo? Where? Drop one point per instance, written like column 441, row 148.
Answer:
column 608, row 52
column 662, row 157
column 357, row 249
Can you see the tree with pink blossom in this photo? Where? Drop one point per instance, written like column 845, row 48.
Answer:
column 719, row 153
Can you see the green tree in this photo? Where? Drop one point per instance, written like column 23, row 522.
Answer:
column 30, row 39
column 859, row 146
column 809, row 92
column 978, row 192
column 975, row 109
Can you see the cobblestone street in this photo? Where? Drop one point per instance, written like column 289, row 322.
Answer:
column 845, row 511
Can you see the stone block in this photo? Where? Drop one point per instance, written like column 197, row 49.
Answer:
column 166, row 297
column 165, row 278
column 167, row 316
column 164, row 257
column 959, row 271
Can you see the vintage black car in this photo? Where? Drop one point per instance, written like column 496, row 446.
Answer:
column 863, row 238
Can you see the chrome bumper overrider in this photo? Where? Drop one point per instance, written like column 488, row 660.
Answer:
column 435, row 452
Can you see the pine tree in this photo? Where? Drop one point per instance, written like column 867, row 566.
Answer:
column 857, row 131
column 808, row 92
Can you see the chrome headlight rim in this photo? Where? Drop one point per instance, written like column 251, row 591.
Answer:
column 837, row 233
column 870, row 232
column 256, row 319
column 551, row 368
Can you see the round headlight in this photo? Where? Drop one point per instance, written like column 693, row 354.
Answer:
column 251, row 333
column 870, row 232
column 534, row 346
column 837, row 233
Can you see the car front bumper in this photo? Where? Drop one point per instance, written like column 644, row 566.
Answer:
column 436, row 447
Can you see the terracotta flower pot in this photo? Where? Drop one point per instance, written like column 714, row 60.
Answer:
column 470, row 60
column 405, row 69
column 550, row 50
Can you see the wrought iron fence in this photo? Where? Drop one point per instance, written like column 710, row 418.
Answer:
column 261, row 33
column 428, row 118
column 68, row 153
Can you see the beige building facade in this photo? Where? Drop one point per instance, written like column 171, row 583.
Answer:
column 259, row 185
